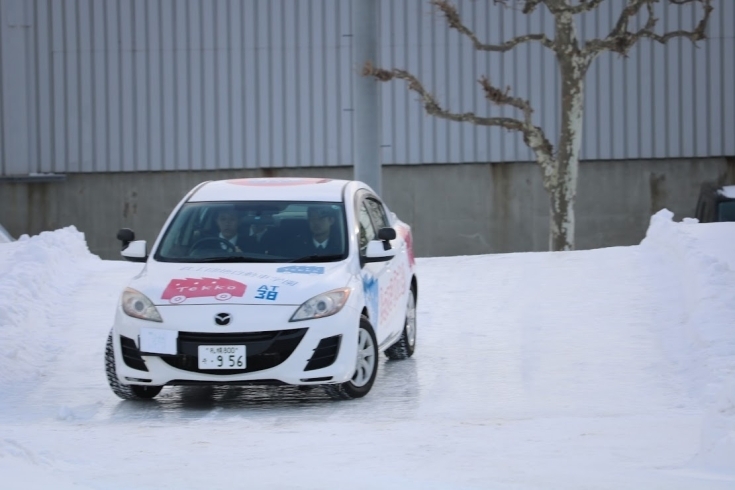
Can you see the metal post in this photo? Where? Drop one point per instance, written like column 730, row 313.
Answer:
column 15, row 33
column 366, row 123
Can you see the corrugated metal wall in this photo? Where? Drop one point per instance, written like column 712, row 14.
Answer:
column 184, row 84
column 661, row 102
column 131, row 85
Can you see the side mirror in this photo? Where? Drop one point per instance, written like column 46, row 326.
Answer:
column 135, row 251
column 126, row 235
column 376, row 251
column 387, row 234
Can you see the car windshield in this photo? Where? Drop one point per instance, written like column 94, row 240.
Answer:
column 256, row 231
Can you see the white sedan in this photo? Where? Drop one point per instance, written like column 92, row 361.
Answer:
column 267, row 281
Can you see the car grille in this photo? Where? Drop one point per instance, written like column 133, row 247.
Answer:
column 264, row 350
column 325, row 353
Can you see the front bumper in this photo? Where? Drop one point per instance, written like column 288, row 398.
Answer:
column 278, row 352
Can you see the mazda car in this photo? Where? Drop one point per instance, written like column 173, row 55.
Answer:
column 266, row 281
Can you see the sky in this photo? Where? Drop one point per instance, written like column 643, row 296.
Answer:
column 610, row 368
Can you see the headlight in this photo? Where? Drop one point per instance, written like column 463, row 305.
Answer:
column 137, row 305
column 325, row 304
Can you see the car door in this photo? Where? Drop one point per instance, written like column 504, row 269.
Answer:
column 381, row 279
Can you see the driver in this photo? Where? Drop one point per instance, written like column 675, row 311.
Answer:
column 322, row 240
column 227, row 222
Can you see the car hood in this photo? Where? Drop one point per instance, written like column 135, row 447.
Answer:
column 239, row 283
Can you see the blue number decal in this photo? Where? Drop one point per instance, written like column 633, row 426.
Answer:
column 269, row 293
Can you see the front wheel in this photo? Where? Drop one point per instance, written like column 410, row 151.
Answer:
column 126, row 392
column 366, row 366
column 406, row 345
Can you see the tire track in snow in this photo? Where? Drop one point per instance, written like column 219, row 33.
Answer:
column 69, row 391
column 463, row 290
column 599, row 355
column 602, row 348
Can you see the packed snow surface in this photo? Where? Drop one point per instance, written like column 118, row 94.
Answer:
column 610, row 368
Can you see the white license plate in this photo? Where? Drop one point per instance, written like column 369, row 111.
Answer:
column 222, row 357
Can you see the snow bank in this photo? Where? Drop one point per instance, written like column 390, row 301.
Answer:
column 702, row 342
column 37, row 274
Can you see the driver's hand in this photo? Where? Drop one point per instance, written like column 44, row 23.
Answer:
column 237, row 249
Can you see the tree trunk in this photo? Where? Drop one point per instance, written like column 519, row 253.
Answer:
column 561, row 236
column 563, row 190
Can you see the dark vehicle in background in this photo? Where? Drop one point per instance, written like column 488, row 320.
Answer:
column 5, row 237
column 716, row 203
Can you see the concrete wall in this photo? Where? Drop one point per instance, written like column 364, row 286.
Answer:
column 454, row 209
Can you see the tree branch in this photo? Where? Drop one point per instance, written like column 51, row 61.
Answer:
column 501, row 97
column 533, row 136
column 582, row 6
column 455, row 22
column 530, row 6
column 620, row 40
column 696, row 35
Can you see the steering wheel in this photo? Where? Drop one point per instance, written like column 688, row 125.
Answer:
column 214, row 239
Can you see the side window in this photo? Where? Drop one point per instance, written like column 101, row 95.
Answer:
column 367, row 232
column 377, row 213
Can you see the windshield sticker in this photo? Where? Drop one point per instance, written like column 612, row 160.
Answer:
column 271, row 182
column 301, row 269
column 269, row 293
column 222, row 289
column 230, row 272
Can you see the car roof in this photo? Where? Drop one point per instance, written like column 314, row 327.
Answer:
column 727, row 191
column 270, row 189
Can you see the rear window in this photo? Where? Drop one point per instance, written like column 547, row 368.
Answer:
column 726, row 211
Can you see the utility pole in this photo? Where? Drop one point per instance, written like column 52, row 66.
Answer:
column 366, row 113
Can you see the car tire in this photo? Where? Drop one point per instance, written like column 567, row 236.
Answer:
column 406, row 345
column 126, row 392
column 366, row 366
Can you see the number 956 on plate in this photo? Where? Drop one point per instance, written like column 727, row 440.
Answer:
column 222, row 357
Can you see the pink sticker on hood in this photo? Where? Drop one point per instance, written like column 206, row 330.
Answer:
column 222, row 289
column 277, row 182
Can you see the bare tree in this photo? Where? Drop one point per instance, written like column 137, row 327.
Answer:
column 559, row 165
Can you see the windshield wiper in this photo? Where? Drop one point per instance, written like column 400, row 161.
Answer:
column 317, row 258
column 231, row 259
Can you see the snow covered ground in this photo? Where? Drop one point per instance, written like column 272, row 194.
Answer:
column 610, row 368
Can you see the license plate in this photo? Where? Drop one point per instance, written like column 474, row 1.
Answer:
column 222, row 357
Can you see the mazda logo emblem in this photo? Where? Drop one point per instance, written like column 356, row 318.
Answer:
column 222, row 319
